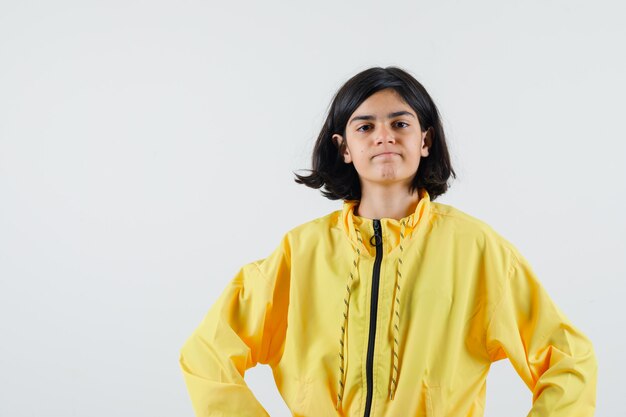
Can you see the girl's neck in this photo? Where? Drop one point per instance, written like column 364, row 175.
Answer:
column 383, row 203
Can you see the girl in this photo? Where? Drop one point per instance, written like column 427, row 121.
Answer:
column 394, row 305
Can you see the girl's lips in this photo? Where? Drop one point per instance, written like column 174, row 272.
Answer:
column 386, row 154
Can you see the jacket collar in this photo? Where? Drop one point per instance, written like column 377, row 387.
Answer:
column 391, row 227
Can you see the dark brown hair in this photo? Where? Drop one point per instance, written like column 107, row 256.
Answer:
column 341, row 180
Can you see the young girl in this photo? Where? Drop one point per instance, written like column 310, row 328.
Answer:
column 394, row 305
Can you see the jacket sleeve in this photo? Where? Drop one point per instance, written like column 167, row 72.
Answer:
column 245, row 326
column 554, row 358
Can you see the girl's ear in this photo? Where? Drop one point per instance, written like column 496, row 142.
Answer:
column 338, row 141
column 427, row 141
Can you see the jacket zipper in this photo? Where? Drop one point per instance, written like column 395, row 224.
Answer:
column 378, row 242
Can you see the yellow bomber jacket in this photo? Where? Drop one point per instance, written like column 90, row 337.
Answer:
column 384, row 317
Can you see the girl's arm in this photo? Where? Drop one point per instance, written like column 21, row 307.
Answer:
column 554, row 358
column 245, row 326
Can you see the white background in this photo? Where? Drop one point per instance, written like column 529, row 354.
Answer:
column 147, row 151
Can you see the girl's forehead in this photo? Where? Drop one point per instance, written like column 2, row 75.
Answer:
column 383, row 103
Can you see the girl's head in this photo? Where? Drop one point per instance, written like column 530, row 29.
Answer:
column 401, row 119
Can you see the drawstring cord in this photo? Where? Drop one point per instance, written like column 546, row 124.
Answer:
column 396, row 317
column 346, row 301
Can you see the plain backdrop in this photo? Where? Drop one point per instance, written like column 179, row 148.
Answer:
column 147, row 151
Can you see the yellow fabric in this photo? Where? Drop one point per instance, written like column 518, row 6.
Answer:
column 468, row 298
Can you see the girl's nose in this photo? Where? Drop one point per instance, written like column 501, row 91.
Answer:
column 385, row 135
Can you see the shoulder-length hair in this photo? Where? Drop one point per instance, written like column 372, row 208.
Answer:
column 341, row 180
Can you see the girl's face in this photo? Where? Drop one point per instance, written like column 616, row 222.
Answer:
column 384, row 140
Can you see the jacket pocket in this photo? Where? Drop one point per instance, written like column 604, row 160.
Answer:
column 434, row 402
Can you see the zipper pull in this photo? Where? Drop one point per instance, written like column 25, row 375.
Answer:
column 378, row 237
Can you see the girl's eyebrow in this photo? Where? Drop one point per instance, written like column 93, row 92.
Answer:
column 389, row 116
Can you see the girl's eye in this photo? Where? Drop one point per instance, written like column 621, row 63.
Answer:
column 400, row 124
